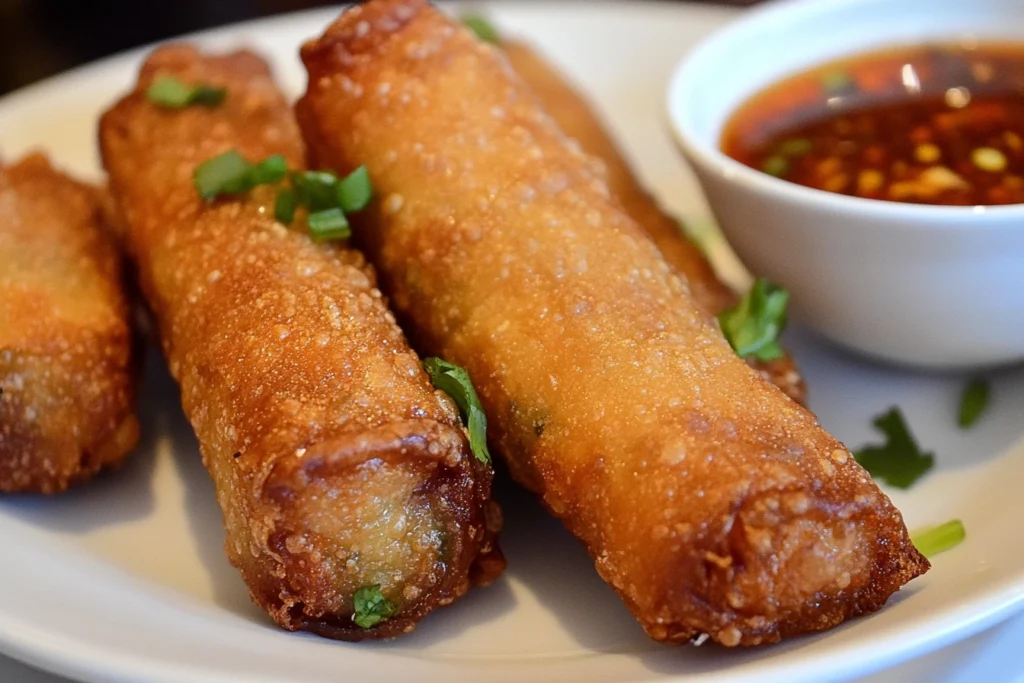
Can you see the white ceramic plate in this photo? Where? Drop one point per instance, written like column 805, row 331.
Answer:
column 125, row 579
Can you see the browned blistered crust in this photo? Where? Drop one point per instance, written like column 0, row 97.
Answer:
column 710, row 501
column 578, row 119
column 67, row 374
column 335, row 462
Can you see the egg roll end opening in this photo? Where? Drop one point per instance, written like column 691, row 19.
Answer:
column 330, row 525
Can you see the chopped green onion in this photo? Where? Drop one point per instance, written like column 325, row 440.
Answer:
column 355, row 190
column 753, row 326
column 900, row 461
column 329, row 224
column 454, row 381
column 776, row 165
column 226, row 173
column 208, row 95
column 271, row 170
column 370, row 607
column 317, row 190
column 795, row 147
column 169, row 92
column 320, row 192
column 836, row 82
column 231, row 173
column 285, row 204
column 938, row 539
column 973, row 403
column 483, row 29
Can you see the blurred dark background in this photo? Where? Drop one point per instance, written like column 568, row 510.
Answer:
column 39, row 38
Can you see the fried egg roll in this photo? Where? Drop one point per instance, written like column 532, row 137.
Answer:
column 711, row 502
column 67, row 368
column 338, row 467
column 578, row 119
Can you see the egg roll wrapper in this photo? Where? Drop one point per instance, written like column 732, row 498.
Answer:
column 68, row 372
column 578, row 119
column 336, row 463
column 708, row 499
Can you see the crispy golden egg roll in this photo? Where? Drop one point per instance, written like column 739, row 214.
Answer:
column 67, row 368
column 352, row 503
column 578, row 119
column 711, row 502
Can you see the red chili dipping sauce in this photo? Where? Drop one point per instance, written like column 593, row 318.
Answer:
column 936, row 124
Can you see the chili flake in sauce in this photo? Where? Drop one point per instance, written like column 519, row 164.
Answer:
column 937, row 124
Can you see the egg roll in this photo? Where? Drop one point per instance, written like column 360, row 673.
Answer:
column 338, row 468
column 709, row 501
column 579, row 120
column 67, row 359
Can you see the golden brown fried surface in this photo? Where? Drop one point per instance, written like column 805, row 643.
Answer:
column 578, row 119
column 710, row 501
column 67, row 374
column 336, row 464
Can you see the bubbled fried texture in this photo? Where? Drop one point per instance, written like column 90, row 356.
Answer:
column 578, row 119
column 67, row 374
column 335, row 462
column 708, row 500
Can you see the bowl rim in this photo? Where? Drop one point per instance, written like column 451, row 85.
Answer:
column 684, row 86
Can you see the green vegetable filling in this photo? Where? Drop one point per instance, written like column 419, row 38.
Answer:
column 370, row 607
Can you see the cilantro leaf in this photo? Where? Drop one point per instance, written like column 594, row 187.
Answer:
column 455, row 382
column 899, row 462
column 753, row 326
column 371, row 607
column 931, row 541
column 973, row 403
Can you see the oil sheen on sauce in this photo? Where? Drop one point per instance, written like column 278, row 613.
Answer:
column 931, row 124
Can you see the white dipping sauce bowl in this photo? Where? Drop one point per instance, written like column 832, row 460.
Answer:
column 927, row 286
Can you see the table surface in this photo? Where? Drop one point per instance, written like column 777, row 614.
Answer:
column 39, row 38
